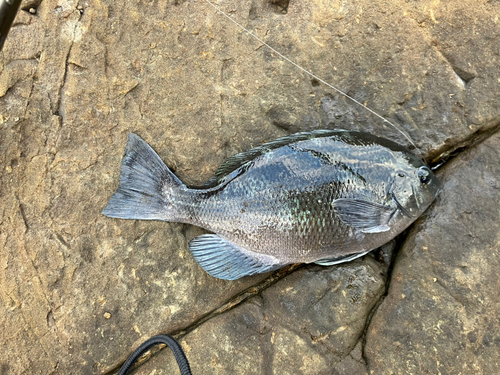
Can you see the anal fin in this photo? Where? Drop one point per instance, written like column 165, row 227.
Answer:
column 226, row 260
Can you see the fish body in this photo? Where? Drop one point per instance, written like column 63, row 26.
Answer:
column 326, row 196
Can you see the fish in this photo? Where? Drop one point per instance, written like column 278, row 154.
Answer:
column 324, row 197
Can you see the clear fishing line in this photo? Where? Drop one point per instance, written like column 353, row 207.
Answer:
column 403, row 132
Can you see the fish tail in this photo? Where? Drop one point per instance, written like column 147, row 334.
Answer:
column 147, row 188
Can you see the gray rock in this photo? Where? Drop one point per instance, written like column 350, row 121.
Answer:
column 441, row 313
column 78, row 290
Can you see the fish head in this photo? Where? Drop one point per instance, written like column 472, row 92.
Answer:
column 414, row 187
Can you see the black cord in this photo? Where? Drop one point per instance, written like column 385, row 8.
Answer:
column 180, row 357
column 8, row 11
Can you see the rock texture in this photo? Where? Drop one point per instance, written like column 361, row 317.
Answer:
column 308, row 323
column 79, row 291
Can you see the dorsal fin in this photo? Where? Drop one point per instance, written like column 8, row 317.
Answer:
column 238, row 160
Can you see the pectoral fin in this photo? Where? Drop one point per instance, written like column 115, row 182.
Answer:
column 368, row 217
column 226, row 260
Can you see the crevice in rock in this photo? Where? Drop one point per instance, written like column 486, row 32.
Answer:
column 60, row 100
column 242, row 297
column 228, row 305
column 323, row 295
column 98, row 157
column 450, row 152
column 28, row 100
column 23, row 215
column 400, row 240
column 60, row 104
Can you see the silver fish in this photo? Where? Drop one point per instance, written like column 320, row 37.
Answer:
column 326, row 196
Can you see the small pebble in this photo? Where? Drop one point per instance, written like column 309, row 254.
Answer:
column 32, row 10
column 107, row 315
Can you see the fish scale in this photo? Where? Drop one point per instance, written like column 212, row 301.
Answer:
column 325, row 196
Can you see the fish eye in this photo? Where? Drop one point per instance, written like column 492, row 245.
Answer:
column 424, row 174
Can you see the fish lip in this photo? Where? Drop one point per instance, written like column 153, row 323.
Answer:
column 403, row 210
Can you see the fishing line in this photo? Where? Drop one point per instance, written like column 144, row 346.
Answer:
column 404, row 133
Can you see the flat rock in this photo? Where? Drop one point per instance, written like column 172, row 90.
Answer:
column 441, row 315
column 78, row 291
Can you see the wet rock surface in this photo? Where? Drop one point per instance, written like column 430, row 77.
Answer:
column 79, row 291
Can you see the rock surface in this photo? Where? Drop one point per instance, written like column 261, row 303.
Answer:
column 307, row 323
column 79, row 291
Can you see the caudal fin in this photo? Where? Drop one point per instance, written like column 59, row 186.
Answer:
column 147, row 186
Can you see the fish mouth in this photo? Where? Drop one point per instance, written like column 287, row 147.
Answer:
column 403, row 210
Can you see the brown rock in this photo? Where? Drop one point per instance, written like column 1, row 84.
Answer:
column 77, row 77
column 307, row 323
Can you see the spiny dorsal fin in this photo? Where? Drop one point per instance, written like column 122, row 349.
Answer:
column 238, row 160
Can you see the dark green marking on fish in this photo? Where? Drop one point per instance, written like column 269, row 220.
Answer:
column 326, row 196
